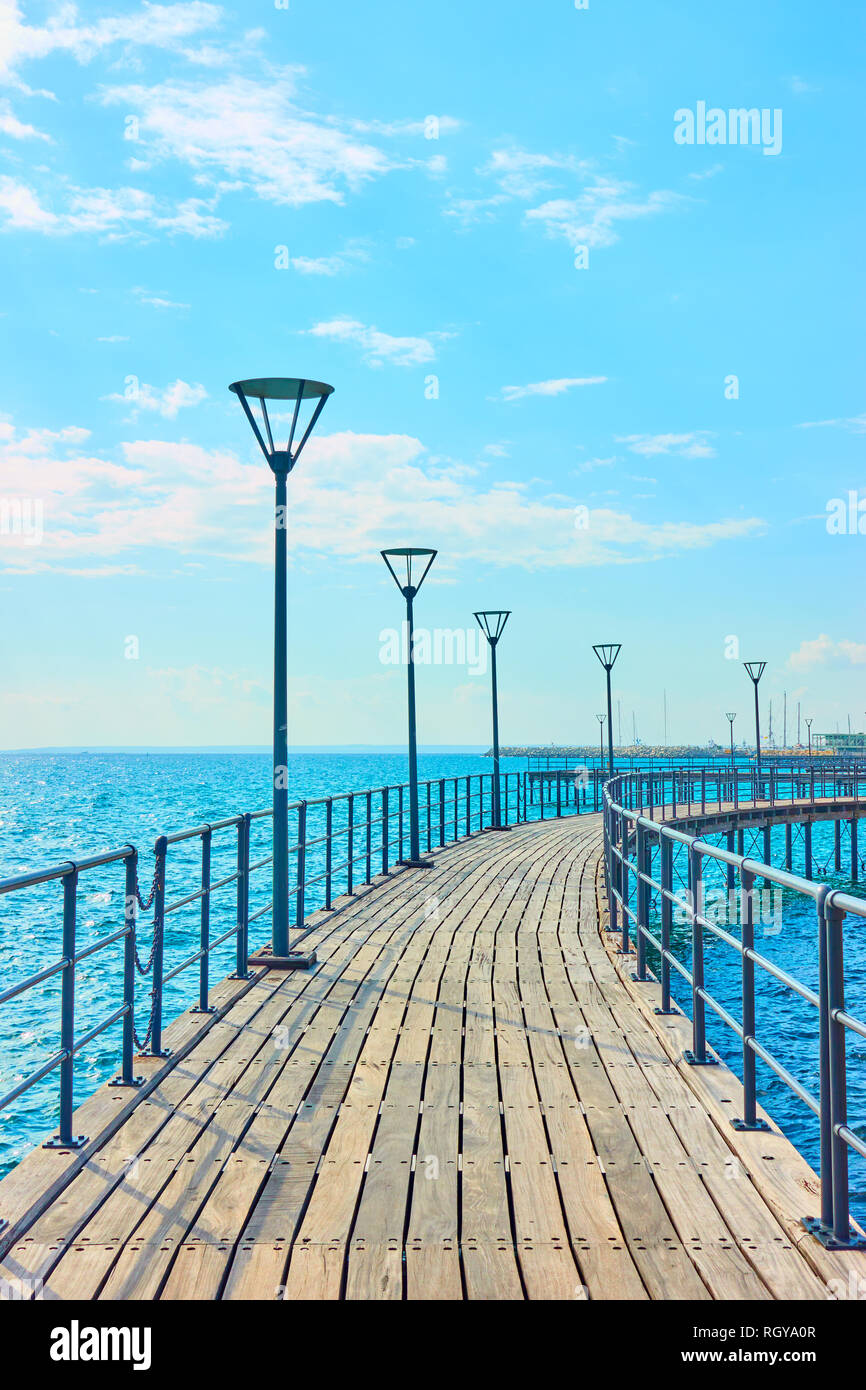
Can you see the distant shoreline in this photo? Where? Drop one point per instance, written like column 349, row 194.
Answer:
column 263, row 749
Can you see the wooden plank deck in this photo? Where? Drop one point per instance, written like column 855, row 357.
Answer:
column 468, row 1097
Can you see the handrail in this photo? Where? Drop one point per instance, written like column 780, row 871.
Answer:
column 370, row 829
column 641, row 811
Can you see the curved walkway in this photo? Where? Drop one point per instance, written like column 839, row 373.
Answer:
column 468, row 1097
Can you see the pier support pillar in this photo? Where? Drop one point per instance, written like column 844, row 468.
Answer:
column 788, row 829
column 855, row 858
column 807, row 836
column 837, row 838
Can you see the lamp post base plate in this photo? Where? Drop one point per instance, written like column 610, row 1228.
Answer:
column 825, row 1235
column 415, row 863
column 295, row 960
column 495, row 829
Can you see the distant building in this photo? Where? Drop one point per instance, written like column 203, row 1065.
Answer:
column 842, row 743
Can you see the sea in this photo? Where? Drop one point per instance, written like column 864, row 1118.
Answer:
column 61, row 805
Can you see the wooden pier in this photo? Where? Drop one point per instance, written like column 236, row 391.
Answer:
column 467, row 1097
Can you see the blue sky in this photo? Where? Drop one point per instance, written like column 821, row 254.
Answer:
column 393, row 199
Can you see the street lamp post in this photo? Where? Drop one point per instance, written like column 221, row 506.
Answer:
column 293, row 391
column 607, row 653
column 492, row 624
column 755, row 670
column 601, row 718
column 404, row 557
column 730, row 718
column 809, row 730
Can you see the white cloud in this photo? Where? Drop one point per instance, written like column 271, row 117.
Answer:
column 157, row 301
column 114, row 213
column 166, row 402
column 240, row 133
column 690, row 446
column 18, row 130
column 556, row 387
column 521, row 174
column 590, row 219
column 855, row 423
column 350, row 496
column 329, row 265
column 379, row 347
column 589, row 465
column 158, row 26
column 821, row 650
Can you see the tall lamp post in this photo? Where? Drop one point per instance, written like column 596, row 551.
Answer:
column 404, row 557
column 492, row 624
column 730, row 718
column 809, row 731
column 607, row 653
column 755, row 670
column 293, row 391
column 601, row 718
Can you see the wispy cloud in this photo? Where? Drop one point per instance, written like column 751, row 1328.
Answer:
column 555, row 387
column 378, row 347
column 358, row 493
column 113, row 213
column 240, row 133
column 690, row 446
column 157, row 301
column 19, row 130
column 166, row 402
column 823, row 650
column 591, row 218
column 329, row 265
column 855, row 423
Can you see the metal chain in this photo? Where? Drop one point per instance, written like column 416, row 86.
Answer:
column 153, row 886
column 142, row 1043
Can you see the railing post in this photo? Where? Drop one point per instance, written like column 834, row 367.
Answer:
column 369, row 837
column 65, row 1139
column 301, row 863
column 698, row 1055
column 825, row 1111
column 350, row 841
column 243, row 899
column 838, row 1081
column 384, row 795
column 610, row 840
column 441, row 811
column 624, row 882
column 643, row 868
column 400, row 822
column 126, row 1077
column 703, row 790
column 747, row 917
column 156, row 1048
column 329, row 849
column 558, row 796
column 666, row 853
column 204, row 931
column 456, row 836
column 429, row 828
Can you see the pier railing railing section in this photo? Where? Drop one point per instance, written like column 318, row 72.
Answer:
column 340, row 843
column 643, row 896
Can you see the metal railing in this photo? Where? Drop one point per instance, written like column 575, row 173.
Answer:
column 632, row 834
column 340, row 843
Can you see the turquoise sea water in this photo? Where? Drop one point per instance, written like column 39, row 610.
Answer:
column 56, row 806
